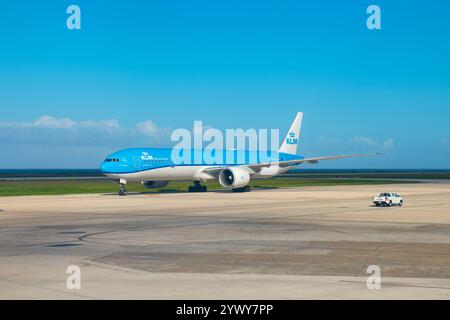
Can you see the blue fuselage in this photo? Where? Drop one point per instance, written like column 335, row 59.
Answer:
column 136, row 160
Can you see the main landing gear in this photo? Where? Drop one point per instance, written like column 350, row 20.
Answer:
column 243, row 189
column 122, row 190
column 197, row 187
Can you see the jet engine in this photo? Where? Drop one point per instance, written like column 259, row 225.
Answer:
column 234, row 177
column 155, row 184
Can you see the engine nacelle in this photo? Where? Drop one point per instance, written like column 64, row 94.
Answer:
column 155, row 184
column 234, row 177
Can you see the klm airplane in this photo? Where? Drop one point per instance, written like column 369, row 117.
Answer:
column 154, row 167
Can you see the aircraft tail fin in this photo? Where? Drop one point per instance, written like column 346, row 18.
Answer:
column 292, row 138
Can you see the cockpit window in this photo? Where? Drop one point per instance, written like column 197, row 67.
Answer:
column 112, row 160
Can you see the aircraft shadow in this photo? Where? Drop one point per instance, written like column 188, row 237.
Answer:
column 168, row 191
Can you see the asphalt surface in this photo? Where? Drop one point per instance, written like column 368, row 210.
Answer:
column 314, row 242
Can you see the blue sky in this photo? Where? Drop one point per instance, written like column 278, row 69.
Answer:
column 138, row 69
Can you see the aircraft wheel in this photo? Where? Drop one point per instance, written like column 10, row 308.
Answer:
column 197, row 188
column 122, row 191
column 243, row 189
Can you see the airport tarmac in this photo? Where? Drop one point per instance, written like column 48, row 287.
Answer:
column 299, row 243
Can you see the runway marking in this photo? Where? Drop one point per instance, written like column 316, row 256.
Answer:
column 301, row 216
column 172, row 217
column 84, row 237
column 366, row 263
column 398, row 284
column 71, row 293
column 46, row 243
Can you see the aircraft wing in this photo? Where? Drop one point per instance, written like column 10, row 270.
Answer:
column 308, row 160
column 253, row 168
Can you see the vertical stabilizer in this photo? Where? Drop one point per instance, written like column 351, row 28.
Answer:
column 291, row 140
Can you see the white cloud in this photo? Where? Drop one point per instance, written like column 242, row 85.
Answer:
column 61, row 123
column 389, row 144
column 336, row 144
column 49, row 130
column 148, row 128
column 51, row 122
column 64, row 142
column 365, row 141
column 372, row 143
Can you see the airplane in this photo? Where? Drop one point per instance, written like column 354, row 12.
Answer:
column 154, row 168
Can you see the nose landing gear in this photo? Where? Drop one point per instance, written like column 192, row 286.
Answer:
column 122, row 190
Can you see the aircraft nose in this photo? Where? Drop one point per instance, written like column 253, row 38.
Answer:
column 104, row 167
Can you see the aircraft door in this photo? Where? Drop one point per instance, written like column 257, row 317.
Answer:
column 137, row 163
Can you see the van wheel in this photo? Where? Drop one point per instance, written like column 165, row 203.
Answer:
column 401, row 203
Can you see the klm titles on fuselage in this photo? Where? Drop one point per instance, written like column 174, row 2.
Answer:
column 147, row 157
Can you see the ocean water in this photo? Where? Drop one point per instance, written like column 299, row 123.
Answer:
column 84, row 173
column 45, row 173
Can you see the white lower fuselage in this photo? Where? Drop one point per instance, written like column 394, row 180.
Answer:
column 186, row 172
